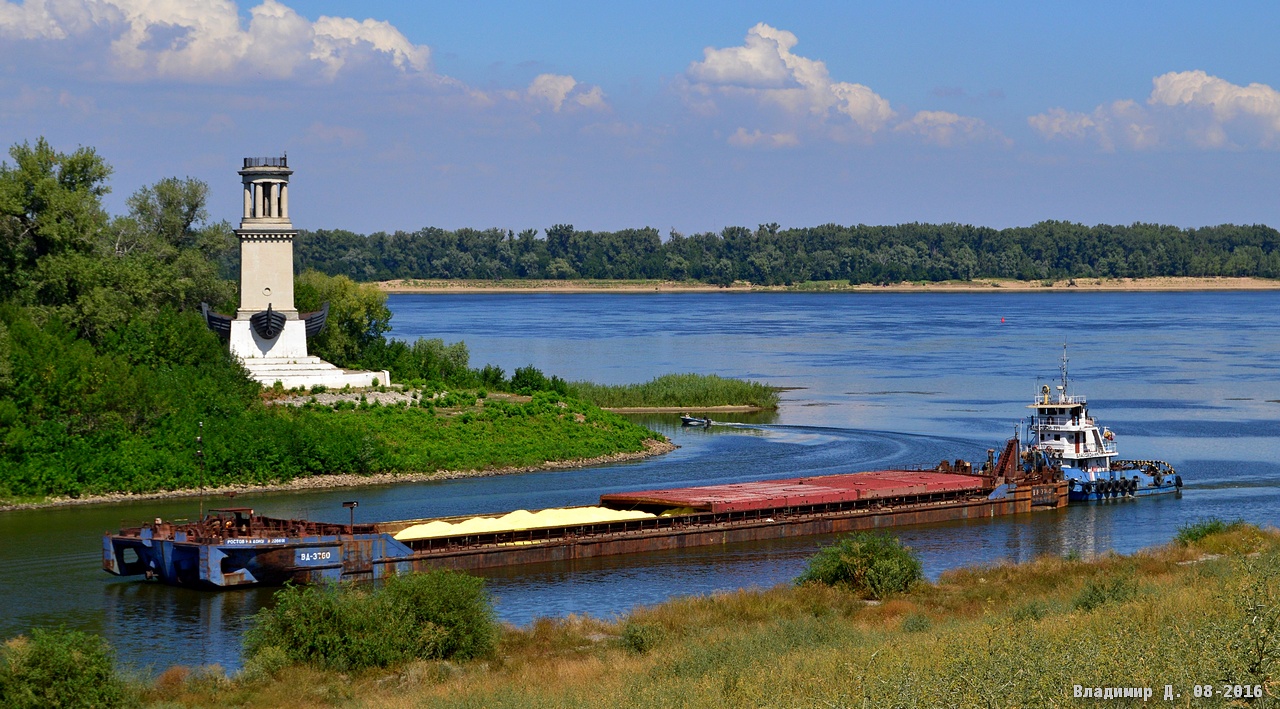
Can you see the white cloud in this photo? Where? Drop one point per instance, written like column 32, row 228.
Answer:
column 52, row 19
column 758, row 138
column 1188, row 107
column 948, row 129
column 1060, row 123
column 764, row 68
column 759, row 63
column 207, row 40
column 765, row 72
column 336, row 38
column 557, row 90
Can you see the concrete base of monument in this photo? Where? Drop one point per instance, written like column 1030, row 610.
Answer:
column 307, row 372
column 291, row 343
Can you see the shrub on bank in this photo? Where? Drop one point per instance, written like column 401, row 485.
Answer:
column 59, row 669
column 871, row 565
column 1198, row 531
column 433, row 615
column 1097, row 593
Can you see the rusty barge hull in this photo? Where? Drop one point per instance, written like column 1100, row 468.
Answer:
column 711, row 534
column 234, row 548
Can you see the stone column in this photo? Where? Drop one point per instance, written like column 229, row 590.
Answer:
column 284, row 200
column 248, row 200
column 257, row 199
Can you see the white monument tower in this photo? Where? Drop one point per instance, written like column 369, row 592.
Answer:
column 267, row 333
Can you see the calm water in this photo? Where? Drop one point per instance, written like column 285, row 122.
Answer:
column 883, row 379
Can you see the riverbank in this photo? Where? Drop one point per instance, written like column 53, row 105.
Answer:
column 981, row 285
column 1195, row 612
column 651, row 448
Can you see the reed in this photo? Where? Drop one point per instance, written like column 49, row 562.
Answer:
column 677, row 390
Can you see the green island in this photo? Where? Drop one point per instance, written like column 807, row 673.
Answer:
column 108, row 372
column 858, row 628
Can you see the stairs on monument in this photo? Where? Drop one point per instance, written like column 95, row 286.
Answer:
column 307, row 372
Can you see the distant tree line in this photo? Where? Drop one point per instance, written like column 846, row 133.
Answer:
column 770, row 255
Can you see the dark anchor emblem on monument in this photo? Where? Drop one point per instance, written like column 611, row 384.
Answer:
column 267, row 323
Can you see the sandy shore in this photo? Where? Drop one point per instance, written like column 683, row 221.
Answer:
column 651, row 448
column 984, row 285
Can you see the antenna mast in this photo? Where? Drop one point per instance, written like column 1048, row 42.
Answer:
column 1064, row 369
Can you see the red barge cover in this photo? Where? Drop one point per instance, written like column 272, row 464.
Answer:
column 796, row 492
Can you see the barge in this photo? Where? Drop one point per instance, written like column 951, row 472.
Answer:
column 236, row 547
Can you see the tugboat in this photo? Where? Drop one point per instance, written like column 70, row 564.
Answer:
column 1061, row 430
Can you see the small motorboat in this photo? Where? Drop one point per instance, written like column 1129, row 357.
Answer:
column 687, row 420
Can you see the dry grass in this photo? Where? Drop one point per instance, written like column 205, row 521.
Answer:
column 1001, row 635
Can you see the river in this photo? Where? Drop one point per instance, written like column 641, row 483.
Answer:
column 878, row 380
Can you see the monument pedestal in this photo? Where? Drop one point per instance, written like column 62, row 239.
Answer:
column 306, row 372
column 247, row 344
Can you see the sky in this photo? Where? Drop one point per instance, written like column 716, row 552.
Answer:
column 684, row 116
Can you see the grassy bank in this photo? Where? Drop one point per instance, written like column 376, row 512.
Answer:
column 1202, row 611
column 676, row 390
column 266, row 445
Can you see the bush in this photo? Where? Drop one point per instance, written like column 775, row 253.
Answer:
column 871, row 565
column 530, row 379
column 433, row 615
column 642, row 637
column 453, row 606
column 1097, row 593
column 59, row 668
column 1031, row 611
column 916, row 623
column 1196, row 531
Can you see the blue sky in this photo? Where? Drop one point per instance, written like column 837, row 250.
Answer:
column 685, row 116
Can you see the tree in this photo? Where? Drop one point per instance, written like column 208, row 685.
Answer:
column 169, row 211
column 50, row 204
column 63, row 257
column 358, row 315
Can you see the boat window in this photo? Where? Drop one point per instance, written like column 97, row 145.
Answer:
column 1057, row 437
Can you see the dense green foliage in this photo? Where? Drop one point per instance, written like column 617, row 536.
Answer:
column 75, row 419
column 770, row 255
column 59, row 669
column 871, row 565
column 433, row 615
column 63, row 257
column 358, row 317
column 107, row 369
column 674, row 390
